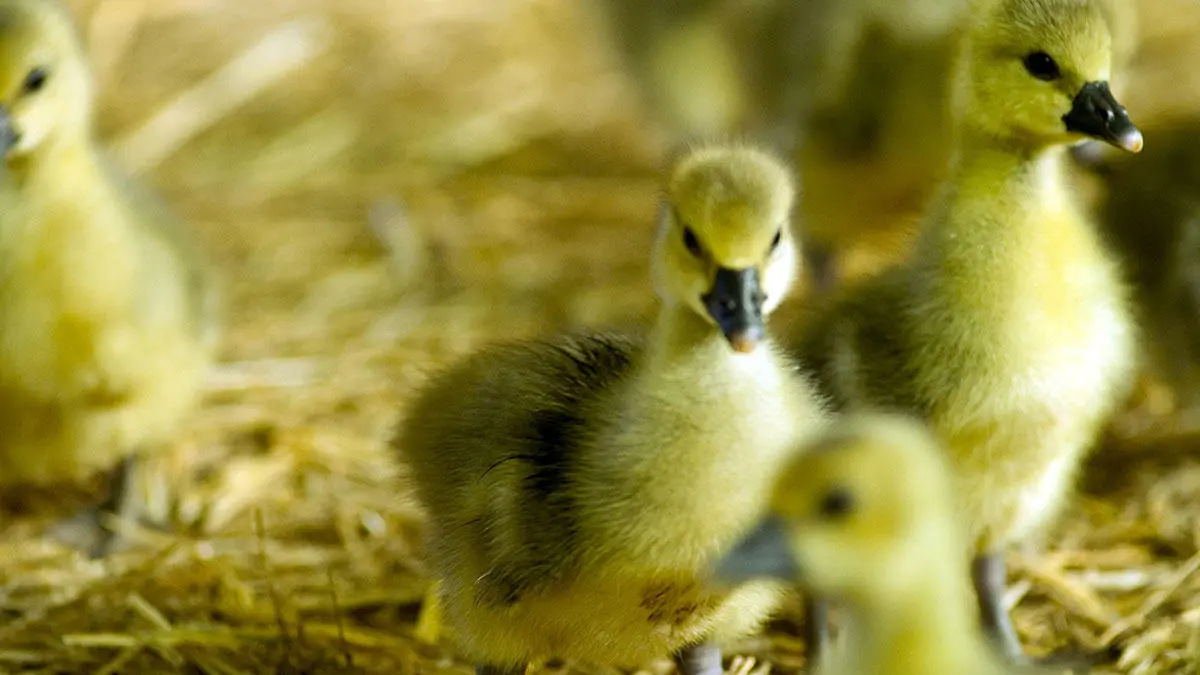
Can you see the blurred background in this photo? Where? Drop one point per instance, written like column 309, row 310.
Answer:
column 386, row 184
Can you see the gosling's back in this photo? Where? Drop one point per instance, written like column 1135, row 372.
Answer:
column 491, row 444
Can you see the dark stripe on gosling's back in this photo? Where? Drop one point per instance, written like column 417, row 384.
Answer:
column 581, row 368
column 587, row 366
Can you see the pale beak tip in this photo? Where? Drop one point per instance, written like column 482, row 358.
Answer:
column 743, row 343
column 1132, row 141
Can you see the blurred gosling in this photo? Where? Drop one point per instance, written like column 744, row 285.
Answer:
column 108, row 323
column 715, row 67
column 873, row 140
column 866, row 515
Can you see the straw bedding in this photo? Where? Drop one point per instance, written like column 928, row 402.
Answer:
column 384, row 186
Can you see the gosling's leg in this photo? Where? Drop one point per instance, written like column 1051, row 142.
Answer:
column 700, row 659
column 990, row 576
column 87, row 530
column 119, row 504
column 989, row 573
column 816, row 630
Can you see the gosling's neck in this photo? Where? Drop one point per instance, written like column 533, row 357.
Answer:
column 703, row 415
column 1008, row 169
column 60, row 162
column 1003, row 213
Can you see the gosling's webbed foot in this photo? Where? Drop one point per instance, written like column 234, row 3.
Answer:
column 700, row 659
column 89, row 530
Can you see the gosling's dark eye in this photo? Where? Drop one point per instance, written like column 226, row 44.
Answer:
column 35, row 80
column 836, row 503
column 775, row 242
column 1042, row 66
column 690, row 241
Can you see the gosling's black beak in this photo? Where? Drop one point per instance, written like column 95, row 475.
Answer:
column 1096, row 113
column 735, row 303
column 762, row 554
column 8, row 135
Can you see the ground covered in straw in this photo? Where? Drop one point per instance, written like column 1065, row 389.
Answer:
column 382, row 191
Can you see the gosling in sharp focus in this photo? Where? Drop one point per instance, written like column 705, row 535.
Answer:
column 108, row 322
column 866, row 514
column 1008, row 328
column 578, row 486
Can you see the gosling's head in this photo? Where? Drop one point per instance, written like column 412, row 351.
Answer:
column 1036, row 73
column 724, row 247
column 861, row 514
column 45, row 89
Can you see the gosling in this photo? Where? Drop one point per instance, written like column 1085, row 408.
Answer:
column 878, row 77
column 1008, row 329
column 109, row 322
column 716, row 67
column 866, row 515
column 578, row 486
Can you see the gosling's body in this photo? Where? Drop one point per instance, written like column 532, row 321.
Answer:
column 1008, row 331
column 108, row 321
column 878, row 76
column 561, row 534
column 1008, row 328
column 867, row 515
column 102, row 343
column 578, row 486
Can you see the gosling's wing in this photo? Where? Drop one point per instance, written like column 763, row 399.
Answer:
column 513, row 400
column 491, row 444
